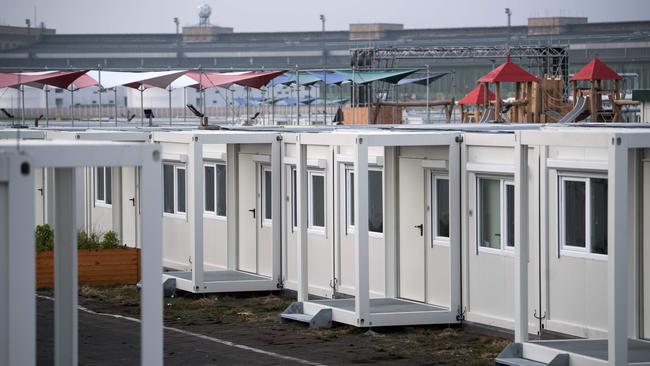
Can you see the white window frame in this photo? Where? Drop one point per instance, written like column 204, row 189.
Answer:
column 102, row 202
column 504, row 249
column 263, row 169
column 349, row 212
column 310, row 204
column 176, row 167
column 213, row 214
column 435, row 176
column 570, row 250
column 348, row 206
column 293, row 172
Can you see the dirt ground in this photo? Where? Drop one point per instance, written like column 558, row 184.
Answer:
column 253, row 320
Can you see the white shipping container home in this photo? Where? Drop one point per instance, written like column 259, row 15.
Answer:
column 589, row 192
column 421, row 240
column 488, row 188
column 330, row 217
column 111, row 195
column 221, row 219
column 17, row 259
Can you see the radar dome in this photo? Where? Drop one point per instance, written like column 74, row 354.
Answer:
column 205, row 11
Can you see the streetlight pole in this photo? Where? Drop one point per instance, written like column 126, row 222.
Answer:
column 509, row 14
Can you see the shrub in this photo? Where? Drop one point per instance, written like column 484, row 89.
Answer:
column 110, row 240
column 88, row 240
column 44, row 236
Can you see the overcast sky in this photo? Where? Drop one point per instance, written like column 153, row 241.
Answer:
column 155, row 16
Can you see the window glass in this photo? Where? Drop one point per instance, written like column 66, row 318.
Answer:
column 442, row 207
column 109, row 188
column 574, row 213
column 267, row 195
column 180, row 189
column 221, row 189
column 168, row 188
column 598, row 215
column 351, row 201
column 510, row 215
column 100, row 183
column 209, row 188
column 489, row 213
column 375, row 201
column 318, row 200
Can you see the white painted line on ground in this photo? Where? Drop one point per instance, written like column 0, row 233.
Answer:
column 201, row 336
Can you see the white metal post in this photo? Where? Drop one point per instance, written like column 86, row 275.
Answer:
column 276, row 204
column 361, row 253
column 302, row 246
column 521, row 242
column 232, row 208
column 617, row 249
column 390, row 178
column 65, row 267
column 84, row 199
column 17, row 213
column 151, row 333
column 116, row 201
column 194, row 207
column 455, row 226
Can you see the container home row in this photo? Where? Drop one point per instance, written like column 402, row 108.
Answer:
column 528, row 228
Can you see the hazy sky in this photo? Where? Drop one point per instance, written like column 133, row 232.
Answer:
column 155, row 16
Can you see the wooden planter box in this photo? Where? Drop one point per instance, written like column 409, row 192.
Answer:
column 119, row 266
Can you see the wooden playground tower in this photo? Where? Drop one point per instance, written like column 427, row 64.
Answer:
column 526, row 106
column 600, row 77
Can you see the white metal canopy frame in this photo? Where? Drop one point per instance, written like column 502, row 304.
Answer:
column 231, row 279
column 621, row 145
column 374, row 312
column 17, row 259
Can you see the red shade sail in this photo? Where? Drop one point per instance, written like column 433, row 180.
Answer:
column 225, row 80
column 59, row 79
column 507, row 73
column 596, row 70
column 477, row 96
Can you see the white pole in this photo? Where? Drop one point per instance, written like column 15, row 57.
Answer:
column 521, row 242
column 22, row 98
column 99, row 76
column 185, row 104
column 47, row 106
column 141, row 105
column 72, row 103
column 302, row 255
column 115, row 103
column 428, row 97
column 170, row 104
column 361, row 253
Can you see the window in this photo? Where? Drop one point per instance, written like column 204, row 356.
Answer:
column 316, row 200
column 215, row 189
column 267, row 204
column 375, row 200
column 440, row 196
column 103, row 185
column 495, row 212
column 174, row 189
column 583, row 214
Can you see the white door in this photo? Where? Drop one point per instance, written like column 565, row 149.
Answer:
column 411, row 245
column 645, row 267
column 129, row 206
column 39, row 199
column 249, row 214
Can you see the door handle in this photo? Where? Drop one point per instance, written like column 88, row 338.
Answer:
column 421, row 227
column 252, row 211
column 132, row 201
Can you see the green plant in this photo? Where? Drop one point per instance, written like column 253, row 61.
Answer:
column 88, row 240
column 44, row 238
column 110, row 240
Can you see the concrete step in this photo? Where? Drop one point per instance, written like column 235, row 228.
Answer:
column 512, row 355
column 295, row 312
column 517, row 361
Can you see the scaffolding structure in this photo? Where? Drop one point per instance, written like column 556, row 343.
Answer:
column 544, row 60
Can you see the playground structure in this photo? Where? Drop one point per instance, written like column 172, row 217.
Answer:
column 525, row 107
column 472, row 105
